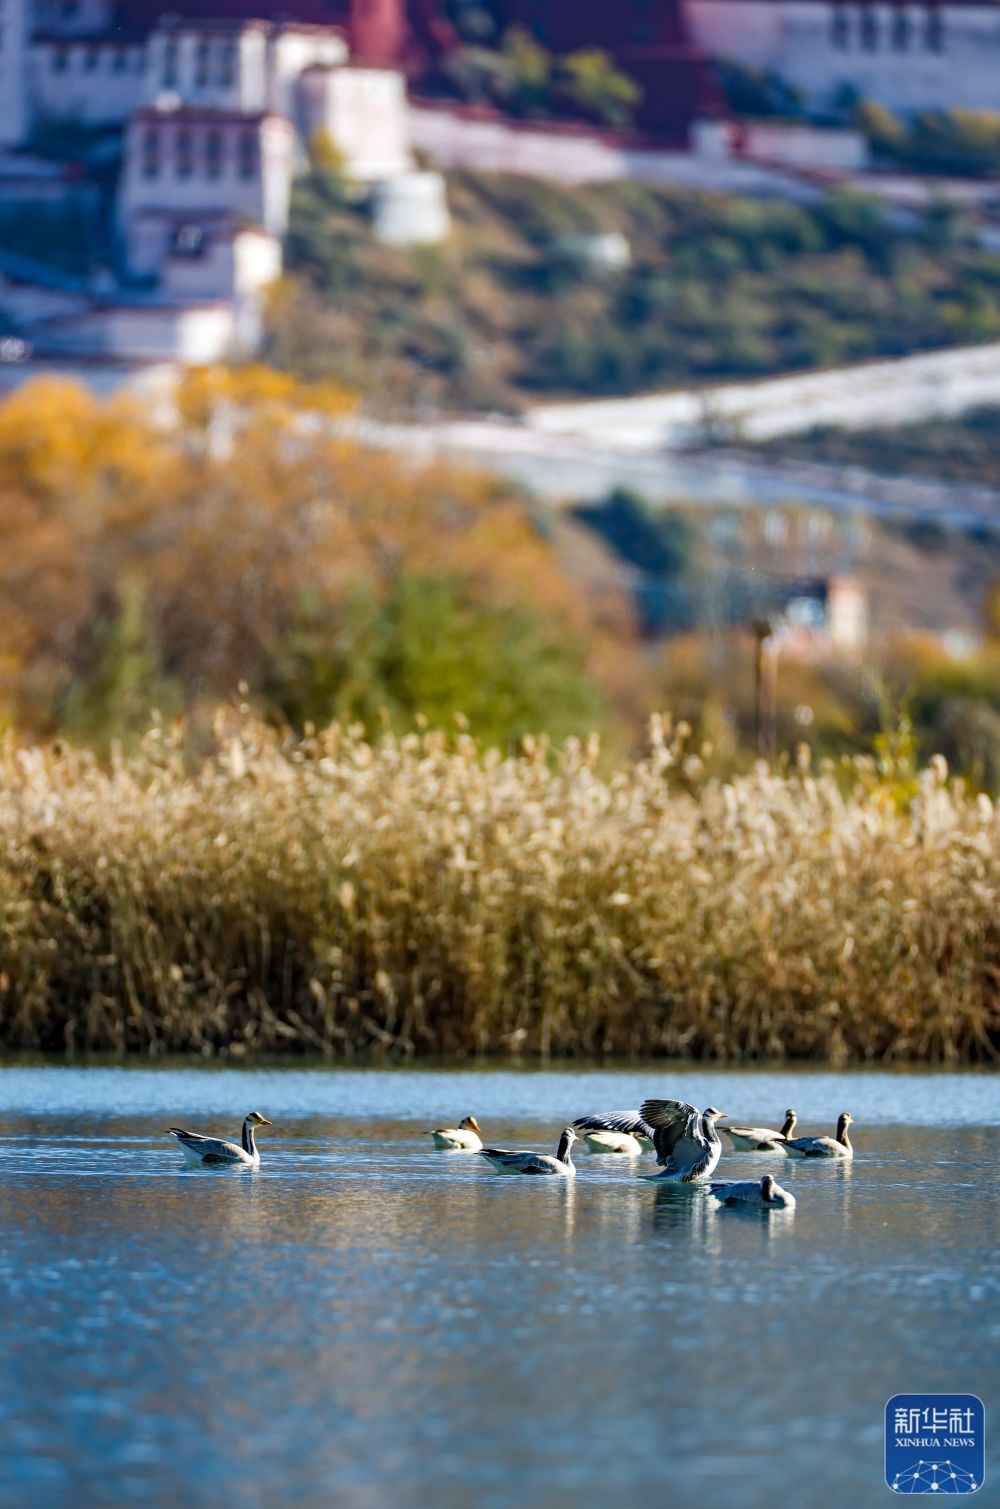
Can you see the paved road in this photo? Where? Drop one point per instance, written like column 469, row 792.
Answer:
column 563, row 470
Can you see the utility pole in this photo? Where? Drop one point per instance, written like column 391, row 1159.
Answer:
column 765, row 681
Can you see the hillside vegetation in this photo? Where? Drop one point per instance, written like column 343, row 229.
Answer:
column 509, row 311
column 962, row 449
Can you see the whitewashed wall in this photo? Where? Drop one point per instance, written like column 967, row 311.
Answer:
column 796, row 40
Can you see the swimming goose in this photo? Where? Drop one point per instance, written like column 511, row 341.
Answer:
column 685, row 1139
column 214, row 1151
column 767, row 1195
column 616, row 1132
column 823, row 1147
column 461, row 1139
column 762, row 1139
column 503, row 1162
column 614, row 1142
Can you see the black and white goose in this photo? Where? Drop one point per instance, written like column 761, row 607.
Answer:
column 746, row 1194
column 685, row 1139
column 214, row 1152
column 824, row 1147
column 762, row 1139
column 503, row 1162
column 615, row 1132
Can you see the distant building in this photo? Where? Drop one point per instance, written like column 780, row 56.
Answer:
column 216, row 110
column 828, row 615
column 908, row 55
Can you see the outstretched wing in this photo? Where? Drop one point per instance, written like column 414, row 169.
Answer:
column 677, row 1136
column 615, row 1121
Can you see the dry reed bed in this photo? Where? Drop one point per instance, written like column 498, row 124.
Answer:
column 423, row 896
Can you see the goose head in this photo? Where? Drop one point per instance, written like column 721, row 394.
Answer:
column 469, row 1124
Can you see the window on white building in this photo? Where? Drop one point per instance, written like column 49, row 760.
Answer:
column 934, row 34
column 185, row 153
column 60, row 60
column 248, row 155
column 170, row 64
column 151, row 153
column 119, row 60
column 227, row 64
column 840, row 34
column 901, row 31
column 213, row 153
column 868, row 29
column 90, row 60
column 201, row 65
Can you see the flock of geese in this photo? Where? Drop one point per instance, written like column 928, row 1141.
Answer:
column 685, row 1140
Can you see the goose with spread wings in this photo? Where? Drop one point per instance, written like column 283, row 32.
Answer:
column 686, row 1142
column 615, row 1132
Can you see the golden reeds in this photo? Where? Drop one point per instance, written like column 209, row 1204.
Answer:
column 421, row 895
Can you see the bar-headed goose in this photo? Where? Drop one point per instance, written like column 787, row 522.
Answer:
column 749, row 1194
column 214, row 1152
column 461, row 1139
column 762, row 1139
column 616, row 1132
column 503, row 1162
column 685, row 1139
column 823, row 1147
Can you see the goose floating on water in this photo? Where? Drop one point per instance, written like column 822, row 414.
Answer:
column 503, row 1162
column 461, row 1139
column 748, row 1193
column 616, row 1132
column 213, row 1151
column 762, row 1139
column 823, row 1147
column 686, row 1141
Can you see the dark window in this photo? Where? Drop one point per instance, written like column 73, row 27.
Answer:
column 151, row 153
column 201, row 65
column 213, row 153
column 901, row 31
column 840, row 28
column 248, row 155
column 60, row 60
column 90, row 60
column 170, row 64
column 189, row 241
column 185, row 155
column 868, row 30
column 119, row 60
column 935, row 31
column 227, row 64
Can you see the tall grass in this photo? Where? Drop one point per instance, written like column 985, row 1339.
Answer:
column 424, row 896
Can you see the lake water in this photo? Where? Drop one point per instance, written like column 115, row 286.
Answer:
column 364, row 1322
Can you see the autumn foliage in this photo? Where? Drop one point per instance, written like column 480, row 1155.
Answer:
column 232, row 536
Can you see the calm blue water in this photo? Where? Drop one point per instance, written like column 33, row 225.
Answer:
column 364, row 1322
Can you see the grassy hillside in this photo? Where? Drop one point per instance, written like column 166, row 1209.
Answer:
column 719, row 287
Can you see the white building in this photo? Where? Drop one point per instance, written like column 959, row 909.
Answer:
column 909, row 55
column 215, row 117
